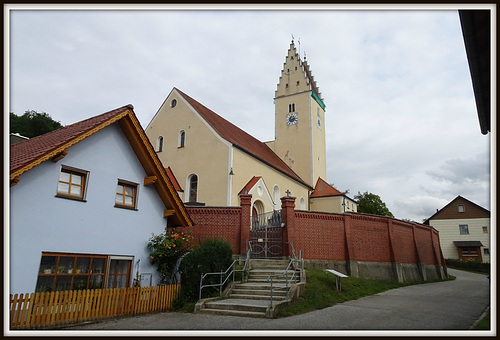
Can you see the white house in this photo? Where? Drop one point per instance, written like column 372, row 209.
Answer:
column 84, row 201
column 464, row 230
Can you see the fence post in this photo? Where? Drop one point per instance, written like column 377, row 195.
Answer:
column 288, row 218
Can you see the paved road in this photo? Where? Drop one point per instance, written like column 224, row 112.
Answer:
column 450, row 305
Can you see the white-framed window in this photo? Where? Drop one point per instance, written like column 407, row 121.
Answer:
column 464, row 229
column 461, row 208
column 485, row 230
column 192, row 188
column 276, row 195
column 182, row 139
column 159, row 144
column 72, row 183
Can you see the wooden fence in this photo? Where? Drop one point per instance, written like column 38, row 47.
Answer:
column 54, row 309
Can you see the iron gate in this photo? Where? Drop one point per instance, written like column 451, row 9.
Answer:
column 266, row 235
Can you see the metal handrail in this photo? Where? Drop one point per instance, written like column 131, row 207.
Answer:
column 285, row 275
column 223, row 273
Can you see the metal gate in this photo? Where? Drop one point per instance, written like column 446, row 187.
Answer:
column 266, row 235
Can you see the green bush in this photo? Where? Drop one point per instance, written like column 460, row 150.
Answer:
column 468, row 265
column 166, row 249
column 211, row 256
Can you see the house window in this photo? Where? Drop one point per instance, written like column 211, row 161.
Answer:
column 182, row 139
column 485, row 230
column 159, row 144
column 119, row 272
column 193, row 188
column 291, row 107
column 72, row 183
column 461, row 208
column 126, row 195
column 60, row 272
column 486, row 251
column 464, row 229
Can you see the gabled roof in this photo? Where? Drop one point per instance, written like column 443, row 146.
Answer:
column 240, row 139
column 450, row 211
column 246, row 189
column 173, row 179
column 323, row 189
column 56, row 144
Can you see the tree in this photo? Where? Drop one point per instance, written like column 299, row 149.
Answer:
column 369, row 203
column 32, row 124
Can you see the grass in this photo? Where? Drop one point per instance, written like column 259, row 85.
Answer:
column 484, row 324
column 320, row 291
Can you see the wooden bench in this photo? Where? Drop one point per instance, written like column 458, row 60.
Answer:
column 338, row 277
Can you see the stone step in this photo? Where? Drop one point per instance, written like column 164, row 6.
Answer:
column 246, row 291
column 268, row 264
column 233, row 313
column 247, row 305
column 267, row 297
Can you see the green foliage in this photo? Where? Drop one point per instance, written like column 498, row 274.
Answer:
column 166, row 249
column 211, row 256
column 32, row 124
column 470, row 265
column 369, row 203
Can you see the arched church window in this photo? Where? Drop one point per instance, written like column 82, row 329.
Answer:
column 276, row 195
column 159, row 144
column 302, row 203
column 193, row 188
column 182, row 138
column 291, row 107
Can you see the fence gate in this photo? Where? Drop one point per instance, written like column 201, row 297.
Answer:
column 266, row 235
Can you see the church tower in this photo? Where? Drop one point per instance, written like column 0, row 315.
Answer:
column 300, row 120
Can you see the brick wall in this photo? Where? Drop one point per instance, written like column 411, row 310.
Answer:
column 326, row 236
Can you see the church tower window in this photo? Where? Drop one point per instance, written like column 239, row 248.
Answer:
column 291, row 107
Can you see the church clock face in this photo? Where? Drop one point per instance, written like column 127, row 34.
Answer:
column 292, row 118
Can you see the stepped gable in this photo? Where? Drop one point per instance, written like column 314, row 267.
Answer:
column 241, row 139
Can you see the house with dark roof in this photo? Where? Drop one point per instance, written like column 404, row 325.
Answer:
column 464, row 230
column 215, row 161
column 84, row 201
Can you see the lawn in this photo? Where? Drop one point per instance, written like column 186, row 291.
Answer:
column 320, row 291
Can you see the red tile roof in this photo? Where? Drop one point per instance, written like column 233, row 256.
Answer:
column 323, row 189
column 241, row 139
column 173, row 179
column 249, row 185
column 30, row 153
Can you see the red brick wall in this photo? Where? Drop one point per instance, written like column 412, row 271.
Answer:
column 326, row 236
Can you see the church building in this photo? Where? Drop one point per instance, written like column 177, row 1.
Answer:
column 215, row 161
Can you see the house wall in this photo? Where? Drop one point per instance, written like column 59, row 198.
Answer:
column 332, row 204
column 204, row 153
column 39, row 221
column 449, row 232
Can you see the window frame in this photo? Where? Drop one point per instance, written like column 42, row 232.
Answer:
column 135, row 193
column 461, row 208
column 190, row 188
column 463, row 229
column 55, row 271
column 159, row 144
column 84, row 174
column 182, row 139
column 485, row 229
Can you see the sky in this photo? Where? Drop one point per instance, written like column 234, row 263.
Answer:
column 401, row 120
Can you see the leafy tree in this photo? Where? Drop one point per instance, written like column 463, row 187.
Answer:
column 369, row 203
column 32, row 123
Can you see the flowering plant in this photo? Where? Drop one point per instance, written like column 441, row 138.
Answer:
column 165, row 249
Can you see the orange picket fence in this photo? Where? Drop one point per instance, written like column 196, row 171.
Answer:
column 55, row 309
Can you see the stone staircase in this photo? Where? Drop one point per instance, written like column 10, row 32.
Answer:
column 253, row 297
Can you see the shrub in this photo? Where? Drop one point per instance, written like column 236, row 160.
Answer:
column 211, row 256
column 468, row 265
column 166, row 249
